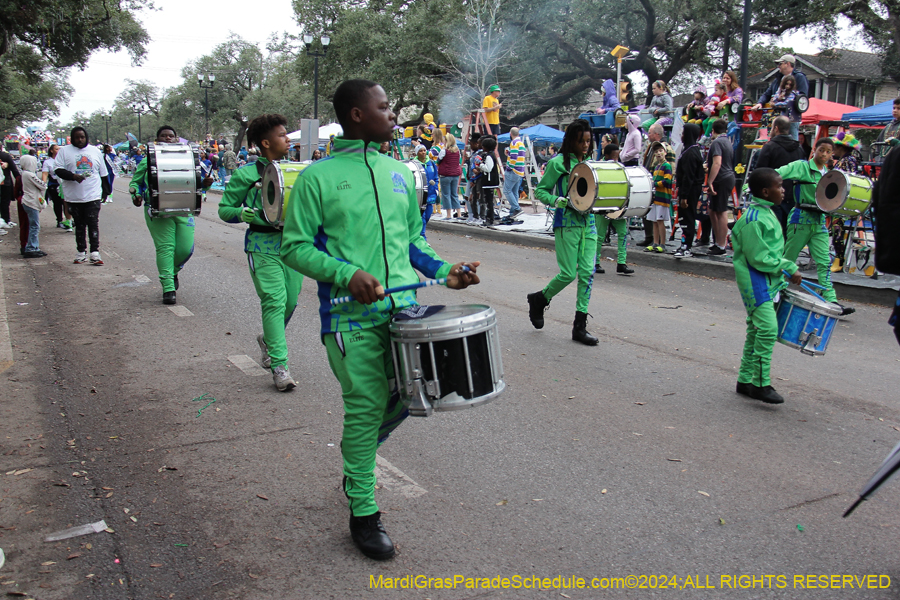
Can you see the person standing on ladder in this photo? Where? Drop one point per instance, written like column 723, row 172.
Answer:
column 491, row 106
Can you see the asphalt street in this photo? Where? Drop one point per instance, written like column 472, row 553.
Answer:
column 632, row 458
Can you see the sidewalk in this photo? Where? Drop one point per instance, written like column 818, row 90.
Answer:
column 536, row 232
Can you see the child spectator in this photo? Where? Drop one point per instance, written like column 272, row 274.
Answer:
column 473, row 177
column 784, row 99
column 431, row 176
column 694, row 112
column 711, row 110
column 490, row 171
column 660, row 106
column 631, row 151
column 689, row 174
column 662, row 198
column 33, row 203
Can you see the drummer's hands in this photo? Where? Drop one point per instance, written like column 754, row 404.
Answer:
column 136, row 199
column 796, row 278
column 364, row 288
column 247, row 215
column 459, row 278
column 562, row 202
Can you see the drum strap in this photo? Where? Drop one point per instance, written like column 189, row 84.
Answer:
column 263, row 228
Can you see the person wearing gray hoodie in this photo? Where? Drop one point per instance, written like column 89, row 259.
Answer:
column 33, row 190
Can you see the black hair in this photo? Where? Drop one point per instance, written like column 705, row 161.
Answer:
column 574, row 134
column 825, row 140
column 760, row 179
column 350, row 95
column 260, row 127
column 610, row 148
column 896, row 101
column 782, row 124
column 720, row 126
column 163, row 128
column 78, row 128
column 474, row 137
column 488, row 143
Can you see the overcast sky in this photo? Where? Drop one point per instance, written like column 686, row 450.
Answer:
column 182, row 31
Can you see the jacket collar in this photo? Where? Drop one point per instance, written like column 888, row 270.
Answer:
column 761, row 202
column 345, row 147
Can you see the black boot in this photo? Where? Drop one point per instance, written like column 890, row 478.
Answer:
column 624, row 269
column 168, row 297
column 370, row 537
column 580, row 332
column 537, row 302
column 599, row 269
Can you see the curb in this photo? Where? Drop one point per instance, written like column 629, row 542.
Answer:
column 884, row 296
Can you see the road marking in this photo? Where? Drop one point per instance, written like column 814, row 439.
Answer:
column 181, row 311
column 112, row 254
column 142, row 279
column 393, row 479
column 247, row 365
column 6, row 355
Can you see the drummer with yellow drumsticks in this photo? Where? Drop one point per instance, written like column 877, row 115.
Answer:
column 277, row 285
column 806, row 224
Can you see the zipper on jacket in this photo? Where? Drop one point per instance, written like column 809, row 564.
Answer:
column 387, row 270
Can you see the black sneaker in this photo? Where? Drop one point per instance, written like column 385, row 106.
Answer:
column 168, row 297
column 767, row 394
column 744, row 389
column 716, row 251
column 624, row 269
column 599, row 269
column 370, row 537
column 846, row 310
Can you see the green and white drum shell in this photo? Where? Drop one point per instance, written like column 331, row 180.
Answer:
column 277, row 183
column 640, row 194
column 844, row 194
column 598, row 186
column 449, row 360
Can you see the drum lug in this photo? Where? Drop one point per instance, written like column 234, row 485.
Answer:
column 812, row 340
column 419, row 406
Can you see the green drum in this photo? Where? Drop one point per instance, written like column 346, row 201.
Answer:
column 844, row 194
column 277, row 182
column 598, row 187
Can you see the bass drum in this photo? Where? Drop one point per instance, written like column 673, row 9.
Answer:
column 598, row 186
column 277, row 183
column 844, row 194
column 174, row 180
column 418, row 171
column 640, row 194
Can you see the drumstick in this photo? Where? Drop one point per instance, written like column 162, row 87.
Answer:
column 809, row 285
column 400, row 288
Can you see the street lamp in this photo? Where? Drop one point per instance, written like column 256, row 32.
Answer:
column 107, row 119
column 138, row 110
column 206, row 85
column 325, row 40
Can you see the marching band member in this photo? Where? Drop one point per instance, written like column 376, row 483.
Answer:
column 575, row 234
column 806, row 224
column 173, row 237
column 277, row 284
column 758, row 266
column 353, row 224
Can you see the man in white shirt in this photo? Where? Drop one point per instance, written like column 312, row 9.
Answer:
column 82, row 174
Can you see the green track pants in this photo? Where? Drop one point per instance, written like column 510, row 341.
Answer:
column 174, row 241
column 362, row 362
column 277, row 286
column 576, row 249
column 621, row 227
column 816, row 237
column 762, row 332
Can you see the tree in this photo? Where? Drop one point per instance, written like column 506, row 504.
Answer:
column 880, row 22
column 29, row 89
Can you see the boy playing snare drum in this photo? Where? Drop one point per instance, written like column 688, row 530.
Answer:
column 277, row 285
column 758, row 265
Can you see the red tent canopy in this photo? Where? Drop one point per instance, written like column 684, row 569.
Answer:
column 823, row 110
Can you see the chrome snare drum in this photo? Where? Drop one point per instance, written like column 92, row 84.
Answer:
column 446, row 357
column 174, row 180
column 418, row 171
column 277, row 182
column 640, row 194
column 805, row 322
column 844, row 194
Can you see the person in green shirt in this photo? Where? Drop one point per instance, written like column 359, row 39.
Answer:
column 173, row 237
column 353, row 224
column 806, row 224
column 575, row 234
column 758, row 266
column 277, row 284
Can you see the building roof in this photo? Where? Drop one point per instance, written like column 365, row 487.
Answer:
column 834, row 63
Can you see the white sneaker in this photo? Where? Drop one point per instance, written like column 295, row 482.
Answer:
column 479, row 222
column 266, row 360
column 283, row 380
column 3, row 232
column 81, row 258
column 8, row 225
column 95, row 258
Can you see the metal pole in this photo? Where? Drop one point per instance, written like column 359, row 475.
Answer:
column 107, row 130
column 140, row 137
column 745, row 45
column 316, row 92
column 206, row 107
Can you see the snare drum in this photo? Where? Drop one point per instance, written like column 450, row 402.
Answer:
column 640, row 194
column 805, row 322
column 448, row 360
column 598, row 187
column 844, row 194
column 421, row 181
column 277, row 182
column 174, row 180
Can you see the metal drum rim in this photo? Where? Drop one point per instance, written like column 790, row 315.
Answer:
column 808, row 302
column 439, row 406
column 415, row 330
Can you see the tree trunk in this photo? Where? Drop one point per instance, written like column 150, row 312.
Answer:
column 239, row 138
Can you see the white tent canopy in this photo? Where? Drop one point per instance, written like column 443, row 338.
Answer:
column 325, row 132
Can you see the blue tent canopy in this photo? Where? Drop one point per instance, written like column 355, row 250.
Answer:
column 879, row 114
column 538, row 134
